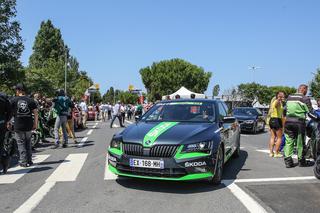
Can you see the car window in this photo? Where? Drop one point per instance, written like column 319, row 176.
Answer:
column 222, row 111
column 181, row 112
column 226, row 108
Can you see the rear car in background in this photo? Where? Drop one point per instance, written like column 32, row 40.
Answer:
column 177, row 140
column 250, row 119
column 92, row 113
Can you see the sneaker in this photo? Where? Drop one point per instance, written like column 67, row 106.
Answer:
column 288, row 162
column 278, row 155
column 25, row 165
column 271, row 155
column 56, row 145
column 64, row 145
column 305, row 163
column 76, row 142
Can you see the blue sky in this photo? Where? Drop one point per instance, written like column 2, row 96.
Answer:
column 112, row 40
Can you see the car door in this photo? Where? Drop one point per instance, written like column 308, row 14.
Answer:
column 226, row 132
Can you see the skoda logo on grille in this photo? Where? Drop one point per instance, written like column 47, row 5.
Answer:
column 148, row 142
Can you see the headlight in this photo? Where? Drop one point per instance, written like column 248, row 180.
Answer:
column 205, row 146
column 249, row 121
column 115, row 144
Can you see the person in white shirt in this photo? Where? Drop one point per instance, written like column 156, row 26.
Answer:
column 117, row 114
column 84, row 113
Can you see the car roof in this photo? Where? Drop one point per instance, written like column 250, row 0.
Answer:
column 191, row 100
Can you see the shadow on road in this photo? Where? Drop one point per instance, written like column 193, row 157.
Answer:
column 234, row 166
column 172, row 187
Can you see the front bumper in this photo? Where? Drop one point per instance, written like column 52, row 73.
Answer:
column 182, row 167
column 247, row 126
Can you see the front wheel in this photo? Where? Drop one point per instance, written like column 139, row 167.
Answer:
column 216, row 180
column 35, row 138
column 316, row 168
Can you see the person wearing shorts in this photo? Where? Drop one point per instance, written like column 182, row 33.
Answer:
column 276, row 124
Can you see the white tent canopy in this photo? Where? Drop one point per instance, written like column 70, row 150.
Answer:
column 184, row 93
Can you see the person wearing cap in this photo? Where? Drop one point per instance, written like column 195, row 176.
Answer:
column 23, row 108
column 5, row 116
column 117, row 114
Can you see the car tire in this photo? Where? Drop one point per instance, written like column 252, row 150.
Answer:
column 216, row 180
column 255, row 128
column 236, row 154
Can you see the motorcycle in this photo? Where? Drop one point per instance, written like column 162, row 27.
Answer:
column 313, row 143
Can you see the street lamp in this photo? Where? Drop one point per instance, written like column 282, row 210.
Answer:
column 65, row 70
column 254, row 68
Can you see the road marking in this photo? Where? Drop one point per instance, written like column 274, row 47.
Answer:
column 274, row 179
column 129, row 122
column 268, row 151
column 82, row 142
column 69, row 168
column 252, row 205
column 36, row 198
column 90, row 132
column 16, row 173
column 107, row 174
column 116, row 126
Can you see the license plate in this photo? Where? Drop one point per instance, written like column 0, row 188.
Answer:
column 145, row 163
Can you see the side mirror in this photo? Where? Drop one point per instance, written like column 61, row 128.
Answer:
column 229, row 119
column 137, row 118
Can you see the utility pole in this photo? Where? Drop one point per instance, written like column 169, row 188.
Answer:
column 65, row 71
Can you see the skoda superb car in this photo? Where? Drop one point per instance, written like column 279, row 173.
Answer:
column 177, row 140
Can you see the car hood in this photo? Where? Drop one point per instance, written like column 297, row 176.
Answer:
column 174, row 133
column 245, row 117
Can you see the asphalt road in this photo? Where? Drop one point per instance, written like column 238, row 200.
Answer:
column 75, row 179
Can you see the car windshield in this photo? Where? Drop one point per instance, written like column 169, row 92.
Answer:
column 181, row 112
column 247, row 111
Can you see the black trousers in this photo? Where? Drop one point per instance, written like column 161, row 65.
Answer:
column 114, row 118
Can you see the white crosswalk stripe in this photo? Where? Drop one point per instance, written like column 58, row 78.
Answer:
column 18, row 172
column 69, row 168
column 67, row 171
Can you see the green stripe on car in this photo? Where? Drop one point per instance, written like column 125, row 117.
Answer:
column 156, row 131
column 183, row 178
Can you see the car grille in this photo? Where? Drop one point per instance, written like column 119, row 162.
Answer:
column 174, row 173
column 132, row 149
column 165, row 151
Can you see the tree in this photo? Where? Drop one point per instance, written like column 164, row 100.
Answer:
column 48, row 45
column 315, row 85
column 216, row 90
column 166, row 77
column 253, row 92
column 46, row 70
column 11, row 46
column 128, row 97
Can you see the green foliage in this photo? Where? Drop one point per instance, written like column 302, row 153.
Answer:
column 48, row 46
column 47, row 64
column 166, row 77
column 128, row 97
column 109, row 97
column 315, row 85
column 216, row 90
column 252, row 92
column 11, row 46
